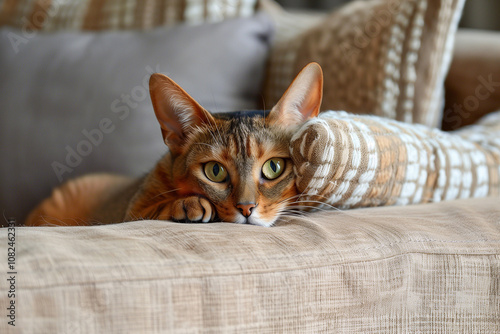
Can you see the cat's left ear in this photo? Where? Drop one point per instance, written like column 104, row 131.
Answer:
column 302, row 100
column 176, row 111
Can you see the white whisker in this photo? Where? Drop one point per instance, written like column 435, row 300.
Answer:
column 164, row 193
column 206, row 144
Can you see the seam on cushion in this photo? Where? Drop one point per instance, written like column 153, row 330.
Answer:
column 310, row 255
column 279, row 258
column 256, row 272
column 494, row 241
column 433, row 240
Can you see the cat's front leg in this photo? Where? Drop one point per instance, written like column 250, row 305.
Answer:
column 190, row 209
column 193, row 209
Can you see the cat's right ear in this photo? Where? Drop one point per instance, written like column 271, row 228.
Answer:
column 302, row 100
column 176, row 111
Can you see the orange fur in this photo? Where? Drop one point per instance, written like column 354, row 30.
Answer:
column 77, row 202
column 178, row 187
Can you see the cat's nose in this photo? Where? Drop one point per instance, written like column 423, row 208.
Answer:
column 246, row 208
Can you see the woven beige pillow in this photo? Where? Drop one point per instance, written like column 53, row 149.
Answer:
column 382, row 57
column 51, row 15
column 349, row 161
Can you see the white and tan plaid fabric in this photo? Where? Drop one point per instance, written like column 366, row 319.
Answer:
column 348, row 161
column 51, row 15
column 381, row 57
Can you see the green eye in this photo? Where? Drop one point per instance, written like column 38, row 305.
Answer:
column 215, row 172
column 273, row 168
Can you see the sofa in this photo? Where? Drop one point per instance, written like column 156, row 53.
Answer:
column 75, row 101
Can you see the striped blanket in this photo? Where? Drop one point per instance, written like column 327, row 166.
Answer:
column 349, row 161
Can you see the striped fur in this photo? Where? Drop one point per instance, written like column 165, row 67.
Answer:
column 339, row 159
column 242, row 145
column 179, row 188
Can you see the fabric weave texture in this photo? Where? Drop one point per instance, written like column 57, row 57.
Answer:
column 381, row 57
column 352, row 161
column 52, row 15
column 429, row 268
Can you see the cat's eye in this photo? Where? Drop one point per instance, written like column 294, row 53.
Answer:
column 273, row 168
column 215, row 172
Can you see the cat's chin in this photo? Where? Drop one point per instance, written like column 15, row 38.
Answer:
column 254, row 220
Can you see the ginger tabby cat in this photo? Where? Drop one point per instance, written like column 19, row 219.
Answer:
column 232, row 167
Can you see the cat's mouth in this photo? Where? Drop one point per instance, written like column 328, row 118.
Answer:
column 253, row 219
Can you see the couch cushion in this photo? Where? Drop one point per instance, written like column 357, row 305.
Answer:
column 74, row 103
column 473, row 83
column 414, row 269
column 53, row 15
column 349, row 161
column 382, row 57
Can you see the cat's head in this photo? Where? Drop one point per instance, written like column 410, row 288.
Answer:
column 241, row 164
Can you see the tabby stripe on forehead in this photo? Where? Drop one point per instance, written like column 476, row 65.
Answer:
column 242, row 141
column 233, row 145
column 249, row 146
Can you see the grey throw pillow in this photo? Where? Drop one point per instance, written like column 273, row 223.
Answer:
column 74, row 103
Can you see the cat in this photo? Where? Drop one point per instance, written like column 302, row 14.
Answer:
column 228, row 167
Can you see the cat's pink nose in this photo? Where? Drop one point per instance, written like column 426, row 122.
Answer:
column 246, row 208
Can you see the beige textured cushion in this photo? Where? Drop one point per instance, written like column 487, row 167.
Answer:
column 430, row 268
column 382, row 57
column 290, row 24
column 116, row 14
column 351, row 161
column 473, row 83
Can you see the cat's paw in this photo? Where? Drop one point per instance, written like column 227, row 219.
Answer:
column 193, row 209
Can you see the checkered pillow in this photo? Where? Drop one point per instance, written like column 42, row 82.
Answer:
column 382, row 57
column 117, row 14
column 350, row 161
